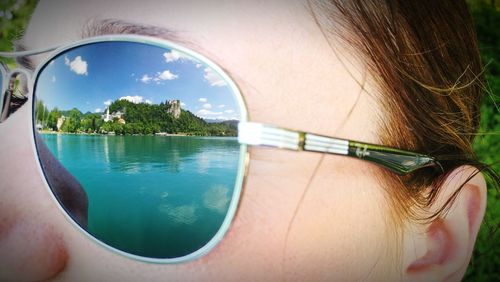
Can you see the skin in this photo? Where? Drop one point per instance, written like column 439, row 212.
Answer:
column 302, row 216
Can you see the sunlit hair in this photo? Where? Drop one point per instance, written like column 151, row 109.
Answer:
column 424, row 59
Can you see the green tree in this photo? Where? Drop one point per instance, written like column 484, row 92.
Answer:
column 41, row 113
column 72, row 122
column 54, row 115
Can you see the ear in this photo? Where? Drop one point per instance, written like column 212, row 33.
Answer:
column 441, row 250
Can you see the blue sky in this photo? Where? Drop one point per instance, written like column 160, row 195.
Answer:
column 90, row 77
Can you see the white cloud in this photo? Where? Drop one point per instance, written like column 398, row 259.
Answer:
column 204, row 112
column 222, row 106
column 160, row 76
column 183, row 104
column 229, row 111
column 98, row 110
column 203, row 100
column 213, row 78
column 207, row 106
column 52, row 62
column 146, row 79
column 167, row 75
column 53, row 78
column 108, row 102
column 173, row 56
column 78, row 65
column 134, row 99
column 147, row 101
column 198, row 66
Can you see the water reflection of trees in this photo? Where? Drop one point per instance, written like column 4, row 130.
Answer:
column 138, row 153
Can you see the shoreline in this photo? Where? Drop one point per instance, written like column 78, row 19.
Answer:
column 160, row 134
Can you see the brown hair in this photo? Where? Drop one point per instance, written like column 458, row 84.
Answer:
column 424, row 59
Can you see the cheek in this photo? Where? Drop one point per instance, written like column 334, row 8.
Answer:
column 31, row 248
column 31, row 251
column 339, row 232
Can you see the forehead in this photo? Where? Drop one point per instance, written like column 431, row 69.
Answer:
column 274, row 49
column 214, row 21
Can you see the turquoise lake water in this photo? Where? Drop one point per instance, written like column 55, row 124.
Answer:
column 154, row 196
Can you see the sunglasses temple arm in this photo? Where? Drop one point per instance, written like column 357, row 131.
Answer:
column 398, row 161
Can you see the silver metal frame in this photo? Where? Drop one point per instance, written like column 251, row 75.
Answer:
column 27, row 53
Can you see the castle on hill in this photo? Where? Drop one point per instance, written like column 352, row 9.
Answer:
column 174, row 107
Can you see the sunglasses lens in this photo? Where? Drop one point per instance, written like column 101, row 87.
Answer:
column 138, row 144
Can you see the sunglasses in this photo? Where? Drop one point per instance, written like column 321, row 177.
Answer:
column 143, row 143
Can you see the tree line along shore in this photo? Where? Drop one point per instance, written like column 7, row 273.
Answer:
column 129, row 118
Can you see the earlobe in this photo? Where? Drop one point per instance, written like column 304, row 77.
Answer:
column 448, row 241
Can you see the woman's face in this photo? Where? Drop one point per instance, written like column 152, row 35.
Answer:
column 302, row 216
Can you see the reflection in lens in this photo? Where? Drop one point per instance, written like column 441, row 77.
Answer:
column 15, row 94
column 150, row 135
